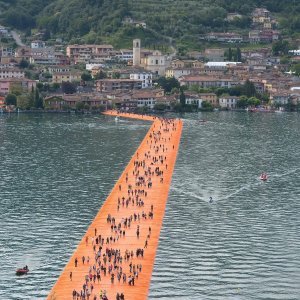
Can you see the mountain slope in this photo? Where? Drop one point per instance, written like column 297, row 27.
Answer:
column 101, row 20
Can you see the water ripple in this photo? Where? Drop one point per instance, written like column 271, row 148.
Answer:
column 244, row 245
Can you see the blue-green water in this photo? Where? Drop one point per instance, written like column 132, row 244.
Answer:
column 245, row 245
column 56, row 170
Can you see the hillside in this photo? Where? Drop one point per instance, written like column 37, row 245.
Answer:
column 101, row 20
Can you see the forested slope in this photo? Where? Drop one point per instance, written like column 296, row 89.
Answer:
column 101, row 20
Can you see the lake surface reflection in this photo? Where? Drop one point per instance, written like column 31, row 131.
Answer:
column 245, row 245
column 56, row 171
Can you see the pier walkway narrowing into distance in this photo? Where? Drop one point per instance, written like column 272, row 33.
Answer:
column 115, row 257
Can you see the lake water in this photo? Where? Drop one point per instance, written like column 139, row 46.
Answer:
column 56, row 171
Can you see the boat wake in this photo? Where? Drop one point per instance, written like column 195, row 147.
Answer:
column 204, row 195
column 285, row 174
column 238, row 191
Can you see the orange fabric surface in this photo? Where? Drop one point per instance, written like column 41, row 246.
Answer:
column 162, row 144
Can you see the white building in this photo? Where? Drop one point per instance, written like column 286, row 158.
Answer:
column 37, row 44
column 90, row 67
column 193, row 100
column 7, row 51
column 44, row 60
column 125, row 55
column 177, row 72
column 146, row 97
column 58, row 69
column 11, row 73
column 295, row 52
column 89, row 53
column 220, row 64
column 228, row 102
column 145, row 77
column 280, row 98
column 155, row 63
column 3, row 31
column 43, row 56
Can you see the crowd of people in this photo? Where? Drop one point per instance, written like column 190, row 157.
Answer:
column 133, row 217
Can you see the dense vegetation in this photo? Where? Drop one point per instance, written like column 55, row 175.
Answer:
column 101, row 20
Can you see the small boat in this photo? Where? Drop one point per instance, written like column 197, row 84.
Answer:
column 117, row 119
column 22, row 271
column 202, row 121
column 263, row 177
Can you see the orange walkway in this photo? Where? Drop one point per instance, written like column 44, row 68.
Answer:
column 148, row 176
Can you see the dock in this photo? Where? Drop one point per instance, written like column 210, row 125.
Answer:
column 115, row 258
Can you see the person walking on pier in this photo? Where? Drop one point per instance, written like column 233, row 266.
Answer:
column 134, row 212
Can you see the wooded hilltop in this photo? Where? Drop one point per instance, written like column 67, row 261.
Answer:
column 156, row 22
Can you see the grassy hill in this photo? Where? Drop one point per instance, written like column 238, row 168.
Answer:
column 89, row 21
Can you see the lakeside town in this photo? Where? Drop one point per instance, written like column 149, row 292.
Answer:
column 93, row 78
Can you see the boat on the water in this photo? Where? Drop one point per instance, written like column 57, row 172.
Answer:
column 117, row 119
column 263, row 177
column 22, row 271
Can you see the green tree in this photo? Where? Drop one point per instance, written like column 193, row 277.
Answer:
column 207, row 105
column 221, row 91
column 86, row 107
column 31, row 100
column 46, row 35
column 253, row 101
column 296, row 69
column 79, row 105
column 68, row 87
column 264, row 97
column 168, row 83
column 24, row 101
column 47, row 75
column 54, row 86
column 18, row 18
column 160, row 106
column 86, row 76
column 182, row 98
column 100, row 75
column 23, row 64
column 280, row 47
column 116, row 75
column 238, row 57
column 248, row 89
column 38, row 100
column 11, row 99
column 230, row 54
column 242, row 102
column 16, row 89
column 177, row 107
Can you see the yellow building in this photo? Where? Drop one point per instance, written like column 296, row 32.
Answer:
column 66, row 77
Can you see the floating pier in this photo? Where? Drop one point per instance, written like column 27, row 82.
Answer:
column 121, row 242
